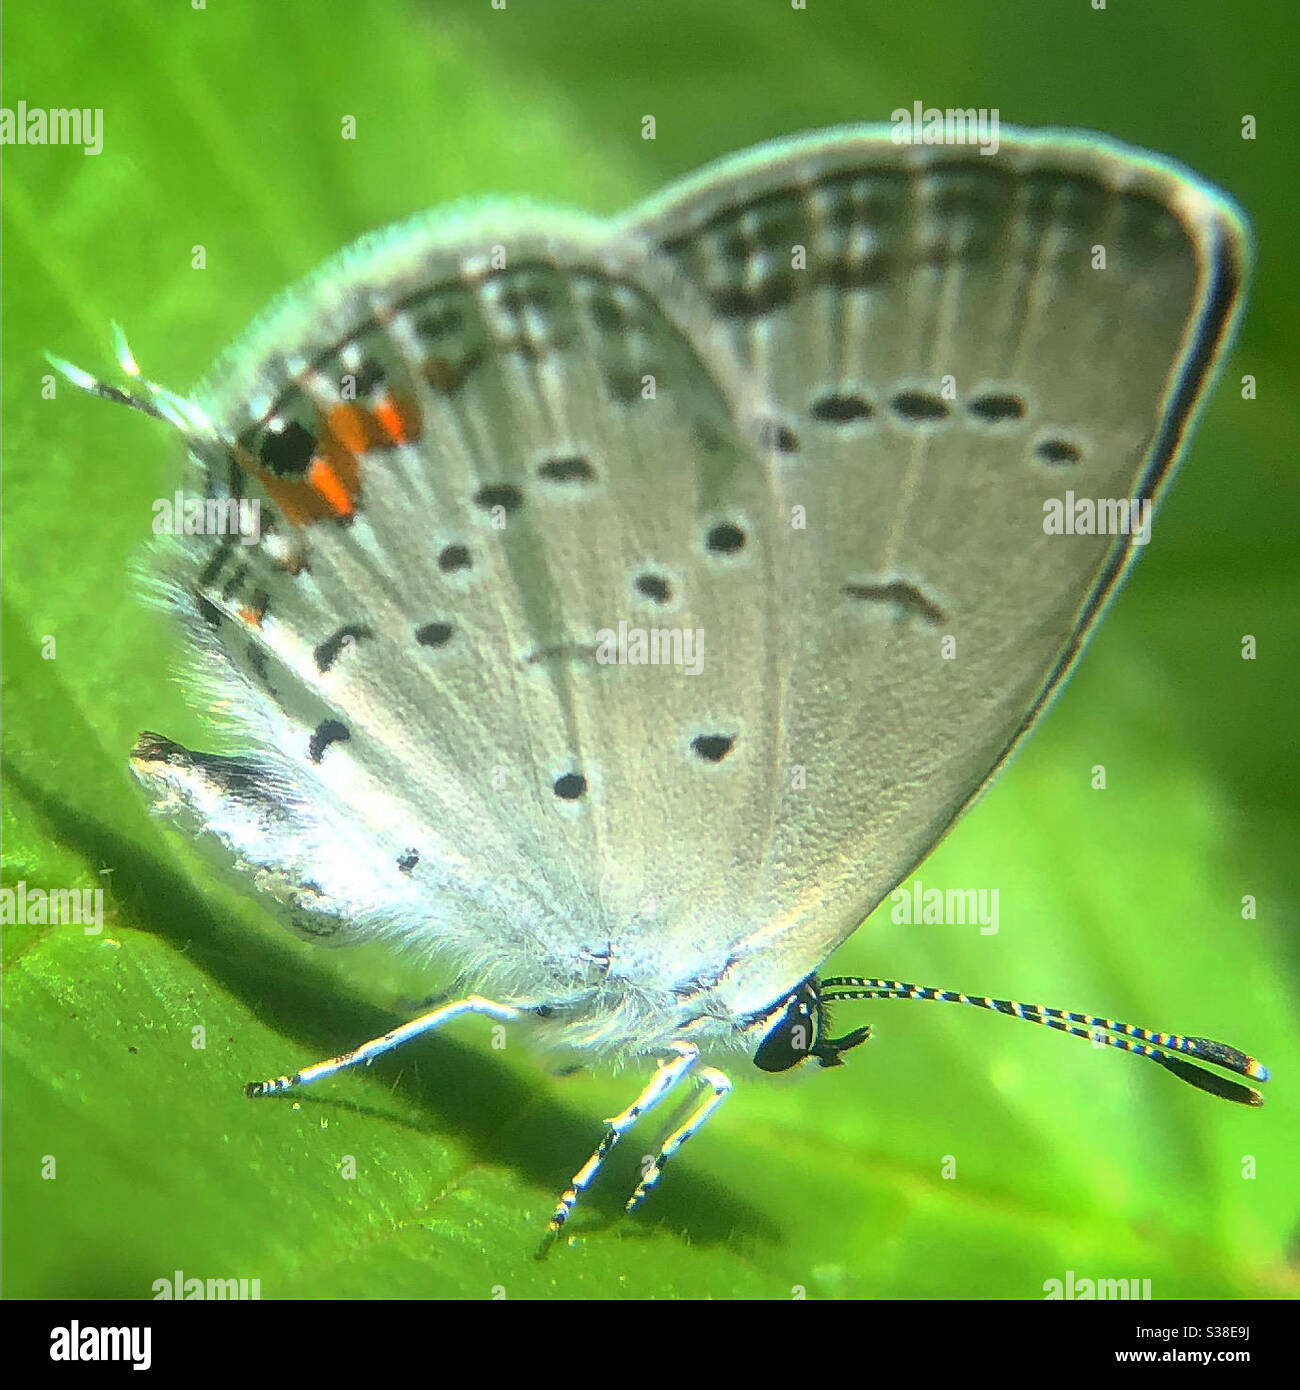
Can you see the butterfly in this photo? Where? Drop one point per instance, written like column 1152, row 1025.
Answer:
column 634, row 604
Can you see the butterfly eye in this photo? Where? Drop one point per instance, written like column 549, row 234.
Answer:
column 792, row 1035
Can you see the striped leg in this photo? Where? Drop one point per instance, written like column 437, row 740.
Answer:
column 670, row 1071
column 720, row 1086
column 368, row 1051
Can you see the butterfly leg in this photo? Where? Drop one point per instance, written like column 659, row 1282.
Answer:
column 368, row 1051
column 719, row 1086
column 669, row 1072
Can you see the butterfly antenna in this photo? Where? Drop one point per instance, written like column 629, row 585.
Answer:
column 148, row 396
column 1170, row 1050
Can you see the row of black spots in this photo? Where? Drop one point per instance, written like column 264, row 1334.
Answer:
column 850, row 408
column 407, row 860
column 905, row 599
column 328, row 651
column 915, row 407
column 709, row 748
column 565, row 470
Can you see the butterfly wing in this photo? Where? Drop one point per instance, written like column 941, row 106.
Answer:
column 483, row 451
column 945, row 341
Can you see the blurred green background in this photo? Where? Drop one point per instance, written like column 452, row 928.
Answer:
column 222, row 127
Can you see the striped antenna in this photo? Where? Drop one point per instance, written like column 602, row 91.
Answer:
column 1170, row 1050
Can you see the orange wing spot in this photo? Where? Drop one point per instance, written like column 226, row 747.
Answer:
column 299, row 502
column 399, row 418
column 251, row 617
column 330, row 483
column 353, row 427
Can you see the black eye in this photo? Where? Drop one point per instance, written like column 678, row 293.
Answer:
column 794, row 1034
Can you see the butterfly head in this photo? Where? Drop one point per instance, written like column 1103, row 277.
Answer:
column 794, row 1029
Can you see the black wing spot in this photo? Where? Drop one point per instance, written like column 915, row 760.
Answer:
column 905, row 598
column 713, row 747
column 326, row 732
column 209, row 611
column 571, row 786
column 407, row 860
column 779, row 437
column 288, row 450
column 1058, row 451
column 328, row 652
column 454, row 557
column 916, row 407
column 499, row 495
column 573, row 469
column 725, row 539
column 654, row 587
column 434, row 634
column 840, row 409
column 997, row 408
